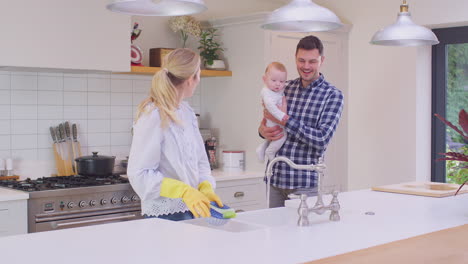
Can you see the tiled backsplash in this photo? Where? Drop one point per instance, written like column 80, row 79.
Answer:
column 102, row 106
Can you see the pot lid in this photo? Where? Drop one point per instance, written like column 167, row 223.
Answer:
column 95, row 156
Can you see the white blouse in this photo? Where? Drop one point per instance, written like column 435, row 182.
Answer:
column 176, row 152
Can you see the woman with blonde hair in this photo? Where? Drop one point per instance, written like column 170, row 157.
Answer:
column 168, row 167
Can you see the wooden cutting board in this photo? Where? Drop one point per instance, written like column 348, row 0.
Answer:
column 9, row 177
column 447, row 246
column 432, row 189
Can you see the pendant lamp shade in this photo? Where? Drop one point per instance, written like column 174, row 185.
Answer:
column 302, row 16
column 157, row 7
column 404, row 32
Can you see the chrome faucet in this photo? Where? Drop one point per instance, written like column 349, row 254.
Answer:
column 304, row 210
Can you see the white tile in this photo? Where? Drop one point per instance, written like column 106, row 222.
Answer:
column 5, row 154
column 121, row 139
column 5, row 141
column 98, row 126
column 50, row 83
column 24, row 82
column 46, row 154
column 122, row 112
column 99, row 112
column 75, row 98
column 75, row 84
column 120, row 152
column 49, row 112
column 83, row 140
column 4, row 82
column 98, row 75
column 140, row 86
column 121, row 86
column 44, row 141
column 23, row 154
column 121, row 125
column 24, row 112
column 23, row 141
column 50, row 74
column 5, row 97
column 5, row 127
column 138, row 98
column 43, row 126
column 23, row 127
column 4, row 112
column 121, row 99
column 75, row 75
column 118, row 76
column 23, row 97
column 24, row 73
column 98, row 85
column 98, row 139
column 81, row 127
column 74, row 112
column 142, row 77
column 96, row 98
column 102, row 150
column 50, row 98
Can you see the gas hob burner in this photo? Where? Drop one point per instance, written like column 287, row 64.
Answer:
column 62, row 182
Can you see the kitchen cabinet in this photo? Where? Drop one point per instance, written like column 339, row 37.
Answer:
column 13, row 212
column 153, row 70
column 80, row 35
column 243, row 194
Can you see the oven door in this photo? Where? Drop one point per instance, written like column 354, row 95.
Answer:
column 61, row 223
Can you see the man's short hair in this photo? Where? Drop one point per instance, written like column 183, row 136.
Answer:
column 277, row 65
column 310, row 43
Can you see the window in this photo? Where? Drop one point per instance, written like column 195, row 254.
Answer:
column 449, row 96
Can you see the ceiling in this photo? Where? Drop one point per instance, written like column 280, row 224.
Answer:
column 232, row 8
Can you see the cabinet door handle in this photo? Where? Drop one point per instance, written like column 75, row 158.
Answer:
column 240, row 211
column 238, row 194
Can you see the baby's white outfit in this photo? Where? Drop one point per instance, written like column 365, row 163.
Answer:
column 271, row 100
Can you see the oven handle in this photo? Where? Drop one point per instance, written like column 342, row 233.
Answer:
column 58, row 225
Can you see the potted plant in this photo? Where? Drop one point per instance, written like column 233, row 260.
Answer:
column 460, row 157
column 209, row 49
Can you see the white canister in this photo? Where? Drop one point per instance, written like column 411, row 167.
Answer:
column 233, row 160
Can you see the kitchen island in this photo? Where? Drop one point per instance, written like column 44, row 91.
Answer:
column 368, row 218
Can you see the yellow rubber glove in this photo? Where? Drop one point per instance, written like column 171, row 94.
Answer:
column 196, row 202
column 206, row 188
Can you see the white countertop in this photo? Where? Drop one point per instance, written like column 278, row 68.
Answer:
column 273, row 238
column 12, row 195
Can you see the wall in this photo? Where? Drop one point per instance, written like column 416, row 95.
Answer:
column 390, row 91
column 102, row 106
column 232, row 105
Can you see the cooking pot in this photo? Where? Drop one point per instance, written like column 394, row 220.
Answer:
column 95, row 165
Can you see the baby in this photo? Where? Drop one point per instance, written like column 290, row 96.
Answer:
column 272, row 96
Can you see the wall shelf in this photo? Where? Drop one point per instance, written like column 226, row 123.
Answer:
column 153, row 70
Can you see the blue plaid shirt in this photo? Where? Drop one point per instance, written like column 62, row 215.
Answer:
column 314, row 113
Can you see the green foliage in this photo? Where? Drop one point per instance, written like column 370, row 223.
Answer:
column 454, row 172
column 457, row 98
column 209, row 47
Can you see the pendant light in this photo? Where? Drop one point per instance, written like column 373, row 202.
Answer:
column 157, row 7
column 302, row 16
column 404, row 32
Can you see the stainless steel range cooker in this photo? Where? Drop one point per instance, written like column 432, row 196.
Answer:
column 73, row 201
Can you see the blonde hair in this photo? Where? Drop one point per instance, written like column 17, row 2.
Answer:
column 277, row 65
column 177, row 67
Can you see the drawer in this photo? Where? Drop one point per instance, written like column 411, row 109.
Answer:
column 241, row 193
column 244, row 207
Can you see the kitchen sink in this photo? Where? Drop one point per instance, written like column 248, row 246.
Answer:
column 281, row 216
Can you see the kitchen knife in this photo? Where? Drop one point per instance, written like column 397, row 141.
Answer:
column 58, row 160
column 70, row 146
column 75, row 139
column 65, row 151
